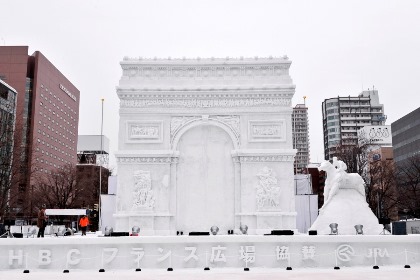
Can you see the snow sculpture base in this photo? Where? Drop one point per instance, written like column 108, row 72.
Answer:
column 347, row 209
column 152, row 223
column 78, row 253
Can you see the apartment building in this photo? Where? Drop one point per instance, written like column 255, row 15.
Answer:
column 342, row 117
column 300, row 128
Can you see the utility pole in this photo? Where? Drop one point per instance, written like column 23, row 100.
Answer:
column 100, row 167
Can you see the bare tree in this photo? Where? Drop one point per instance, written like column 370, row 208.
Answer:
column 59, row 189
column 355, row 157
column 71, row 187
column 382, row 196
column 408, row 178
column 22, row 172
column 379, row 177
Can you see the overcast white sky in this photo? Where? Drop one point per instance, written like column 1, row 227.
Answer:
column 336, row 47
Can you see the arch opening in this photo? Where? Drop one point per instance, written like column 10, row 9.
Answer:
column 205, row 180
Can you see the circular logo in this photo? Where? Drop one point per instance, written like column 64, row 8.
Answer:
column 345, row 252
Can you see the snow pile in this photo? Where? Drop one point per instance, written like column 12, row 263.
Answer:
column 347, row 208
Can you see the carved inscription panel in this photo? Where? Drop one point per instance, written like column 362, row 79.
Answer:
column 267, row 130
column 144, row 131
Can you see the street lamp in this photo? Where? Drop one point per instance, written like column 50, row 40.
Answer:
column 100, row 167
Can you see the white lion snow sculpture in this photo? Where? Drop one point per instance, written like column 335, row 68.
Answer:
column 338, row 178
column 345, row 202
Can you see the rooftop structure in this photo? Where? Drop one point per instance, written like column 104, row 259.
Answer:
column 93, row 149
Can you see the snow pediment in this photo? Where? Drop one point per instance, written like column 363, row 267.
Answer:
column 155, row 73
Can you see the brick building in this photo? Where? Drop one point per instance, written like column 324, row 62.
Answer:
column 47, row 117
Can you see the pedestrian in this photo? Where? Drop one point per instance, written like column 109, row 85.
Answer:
column 83, row 223
column 42, row 221
column 2, row 227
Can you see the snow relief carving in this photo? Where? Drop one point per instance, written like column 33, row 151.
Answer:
column 143, row 197
column 178, row 122
column 268, row 190
column 195, row 102
column 275, row 158
column 205, row 71
column 135, row 159
column 267, row 131
column 144, row 132
column 232, row 122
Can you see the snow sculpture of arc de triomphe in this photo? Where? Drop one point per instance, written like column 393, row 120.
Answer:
column 205, row 142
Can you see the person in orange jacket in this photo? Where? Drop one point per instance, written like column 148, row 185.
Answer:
column 83, row 223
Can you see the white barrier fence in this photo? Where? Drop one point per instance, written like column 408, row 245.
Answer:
column 26, row 230
column 207, row 251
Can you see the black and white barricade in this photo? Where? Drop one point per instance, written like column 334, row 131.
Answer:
column 219, row 251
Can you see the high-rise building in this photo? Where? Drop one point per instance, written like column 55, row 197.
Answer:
column 342, row 117
column 300, row 128
column 406, row 147
column 47, row 119
column 406, row 136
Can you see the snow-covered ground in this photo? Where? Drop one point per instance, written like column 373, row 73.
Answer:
column 365, row 273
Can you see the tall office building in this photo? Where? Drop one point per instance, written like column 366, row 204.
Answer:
column 300, row 128
column 47, row 120
column 342, row 117
column 406, row 136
